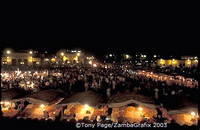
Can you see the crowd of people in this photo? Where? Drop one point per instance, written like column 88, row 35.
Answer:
column 107, row 81
column 191, row 72
column 103, row 80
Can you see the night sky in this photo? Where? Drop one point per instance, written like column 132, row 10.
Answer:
column 168, row 32
column 150, row 45
column 156, row 37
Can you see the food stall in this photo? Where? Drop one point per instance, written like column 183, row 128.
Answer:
column 43, row 105
column 83, row 104
column 8, row 101
column 187, row 116
column 132, row 111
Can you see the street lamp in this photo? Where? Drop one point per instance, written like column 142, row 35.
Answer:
column 127, row 56
column 8, row 52
column 94, row 65
column 78, row 54
column 90, row 62
column 62, row 54
column 30, row 52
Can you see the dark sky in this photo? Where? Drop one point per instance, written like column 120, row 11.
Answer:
column 166, row 35
column 165, row 45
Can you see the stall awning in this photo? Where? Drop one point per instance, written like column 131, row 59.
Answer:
column 91, row 98
column 11, row 94
column 121, row 104
column 46, row 97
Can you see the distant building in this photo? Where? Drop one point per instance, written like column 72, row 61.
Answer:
column 34, row 58
column 185, row 61
column 10, row 57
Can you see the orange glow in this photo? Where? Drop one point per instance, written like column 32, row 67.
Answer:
column 90, row 62
column 193, row 114
column 62, row 53
column 169, row 62
column 76, row 58
column 188, row 62
column 8, row 52
column 84, row 110
column 140, row 108
column 6, row 105
column 196, row 61
column 161, row 62
column 185, row 118
column 8, row 59
column 42, row 106
column 53, row 59
column 94, row 65
column 65, row 58
column 133, row 114
column 78, row 54
column 30, row 59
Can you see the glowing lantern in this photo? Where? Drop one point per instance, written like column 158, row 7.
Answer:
column 169, row 62
column 174, row 62
column 42, row 106
column 8, row 59
column 193, row 114
column 62, row 53
column 94, row 65
column 78, row 54
column 30, row 59
column 8, row 52
column 196, row 61
column 5, row 106
column 140, row 108
column 161, row 62
column 46, row 59
column 90, row 62
column 127, row 56
column 85, row 109
column 65, row 58
column 53, row 60
column 76, row 58
column 188, row 62
column 86, row 106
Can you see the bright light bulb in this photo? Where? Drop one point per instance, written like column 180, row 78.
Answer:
column 140, row 108
column 62, row 53
column 86, row 106
column 90, row 62
column 193, row 113
column 42, row 106
column 127, row 56
column 94, row 65
column 78, row 54
column 8, row 51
